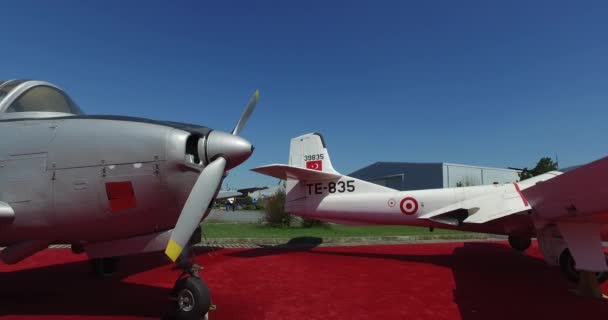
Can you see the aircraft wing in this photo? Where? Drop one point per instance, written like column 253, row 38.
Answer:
column 577, row 202
column 227, row 194
column 579, row 194
column 494, row 205
column 282, row 171
column 250, row 190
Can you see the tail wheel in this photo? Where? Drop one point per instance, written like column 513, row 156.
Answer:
column 520, row 243
column 568, row 267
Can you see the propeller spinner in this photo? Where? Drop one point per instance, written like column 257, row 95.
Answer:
column 223, row 151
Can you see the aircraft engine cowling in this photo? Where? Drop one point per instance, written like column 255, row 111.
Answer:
column 222, row 144
column 202, row 150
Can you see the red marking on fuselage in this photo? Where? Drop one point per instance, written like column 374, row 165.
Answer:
column 120, row 195
column 521, row 194
column 410, row 208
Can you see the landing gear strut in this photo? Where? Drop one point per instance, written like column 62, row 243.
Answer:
column 190, row 295
column 520, row 243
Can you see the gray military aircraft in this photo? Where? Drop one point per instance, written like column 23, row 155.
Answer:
column 109, row 185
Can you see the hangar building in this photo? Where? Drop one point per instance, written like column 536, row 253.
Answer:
column 414, row 176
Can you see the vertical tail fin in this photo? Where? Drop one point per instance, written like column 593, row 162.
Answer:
column 309, row 151
column 310, row 178
column 309, row 162
column 309, row 175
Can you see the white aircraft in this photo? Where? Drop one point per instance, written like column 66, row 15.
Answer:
column 566, row 212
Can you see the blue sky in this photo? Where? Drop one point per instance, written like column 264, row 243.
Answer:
column 493, row 83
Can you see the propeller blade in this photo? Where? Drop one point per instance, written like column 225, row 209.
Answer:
column 248, row 110
column 197, row 203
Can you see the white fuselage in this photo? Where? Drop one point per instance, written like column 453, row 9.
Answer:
column 370, row 204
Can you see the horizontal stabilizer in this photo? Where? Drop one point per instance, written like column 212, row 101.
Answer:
column 494, row 205
column 283, row 172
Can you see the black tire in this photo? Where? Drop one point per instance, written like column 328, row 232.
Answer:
column 190, row 288
column 520, row 243
column 77, row 248
column 568, row 267
column 104, row 267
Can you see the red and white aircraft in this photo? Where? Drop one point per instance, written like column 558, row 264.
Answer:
column 566, row 212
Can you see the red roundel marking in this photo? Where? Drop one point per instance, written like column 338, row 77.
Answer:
column 409, row 206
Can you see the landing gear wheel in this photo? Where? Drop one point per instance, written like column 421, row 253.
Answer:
column 104, row 267
column 520, row 243
column 191, row 297
column 568, row 267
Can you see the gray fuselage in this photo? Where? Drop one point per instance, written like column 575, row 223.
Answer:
column 94, row 178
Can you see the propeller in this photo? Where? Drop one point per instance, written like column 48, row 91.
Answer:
column 222, row 151
column 247, row 112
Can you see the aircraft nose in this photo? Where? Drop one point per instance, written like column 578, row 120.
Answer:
column 234, row 148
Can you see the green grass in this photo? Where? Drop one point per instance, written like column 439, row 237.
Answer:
column 251, row 230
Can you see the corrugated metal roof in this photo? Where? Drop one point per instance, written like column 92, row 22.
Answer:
column 381, row 168
column 387, row 167
column 421, row 175
column 480, row 167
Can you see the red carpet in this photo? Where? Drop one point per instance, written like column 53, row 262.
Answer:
column 425, row 281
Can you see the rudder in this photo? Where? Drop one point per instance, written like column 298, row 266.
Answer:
column 309, row 151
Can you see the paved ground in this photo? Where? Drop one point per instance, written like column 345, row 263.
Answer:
column 471, row 281
column 235, row 216
column 300, row 242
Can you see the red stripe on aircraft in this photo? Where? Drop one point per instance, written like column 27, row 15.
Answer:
column 521, row 194
column 120, row 195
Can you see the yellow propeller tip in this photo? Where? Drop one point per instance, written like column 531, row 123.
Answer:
column 173, row 250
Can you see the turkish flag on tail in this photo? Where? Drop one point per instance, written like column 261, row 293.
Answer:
column 315, row 165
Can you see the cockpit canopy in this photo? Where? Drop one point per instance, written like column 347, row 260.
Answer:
column 37, row 98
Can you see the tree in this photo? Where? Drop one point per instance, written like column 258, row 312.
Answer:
column 275, row 214
column 544, row 165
